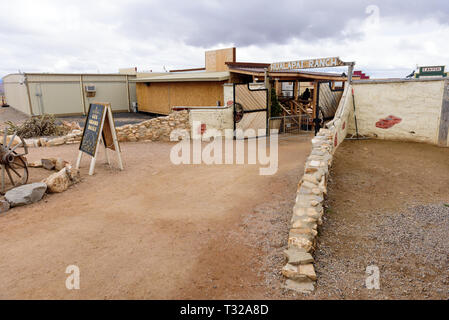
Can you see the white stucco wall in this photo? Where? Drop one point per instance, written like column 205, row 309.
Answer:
column 216, row 119
column 416, row 103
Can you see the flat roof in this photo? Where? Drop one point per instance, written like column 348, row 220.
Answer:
column 67, row 74
column 187, row 77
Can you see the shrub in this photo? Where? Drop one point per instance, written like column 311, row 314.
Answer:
column 37, row 126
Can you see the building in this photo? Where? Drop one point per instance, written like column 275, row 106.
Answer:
column 199, row 87
column 68, row 94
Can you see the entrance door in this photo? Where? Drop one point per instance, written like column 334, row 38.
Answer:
column 250, row 109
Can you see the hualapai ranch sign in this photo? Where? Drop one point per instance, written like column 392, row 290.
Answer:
column 432, row 71
column 307, row 64
column 99, row 128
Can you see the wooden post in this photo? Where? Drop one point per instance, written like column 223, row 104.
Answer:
column 315, row 100
column 83, row 99
column 114, row 138
column 296, row 89
column 268, row 87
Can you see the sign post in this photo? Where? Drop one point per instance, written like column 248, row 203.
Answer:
column 99, row 128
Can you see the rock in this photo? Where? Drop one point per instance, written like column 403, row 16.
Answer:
column 303, row 223
column 179, row 134
column 308, row 270
column 74, row 174
column 4, row 206
column 58, row 182
column 292, row 272
column 56, row 142
column 35, row 164
column 48, row 164
column 43, row 142
column 301, row 287
column 32, row 142
column 297, row 256
column 26, row 194
column 308, row 233
column 60, row 164
column 300, row 242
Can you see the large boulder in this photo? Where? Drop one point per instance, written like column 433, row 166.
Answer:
column 58, row 182
column 62, row 180
column 26, row 194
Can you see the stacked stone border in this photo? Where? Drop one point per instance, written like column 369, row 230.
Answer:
column 57, row 182
column 309, row 207
column 168, row 128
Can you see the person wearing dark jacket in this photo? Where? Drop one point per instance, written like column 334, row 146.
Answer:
column 306, row 95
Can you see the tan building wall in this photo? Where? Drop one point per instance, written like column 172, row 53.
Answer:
column 399, row 110
column 16, row 92
column 64, row 94
column 161, row 97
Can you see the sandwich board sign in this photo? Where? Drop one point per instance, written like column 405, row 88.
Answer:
column 99, row 129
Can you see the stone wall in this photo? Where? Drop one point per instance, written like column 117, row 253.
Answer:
column 309, row 208
column 156, row 129
column 162, row 128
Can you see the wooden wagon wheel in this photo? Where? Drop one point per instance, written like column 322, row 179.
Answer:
column 14, row 169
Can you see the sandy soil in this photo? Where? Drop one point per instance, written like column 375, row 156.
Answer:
column 155, row 230
column 386, row 207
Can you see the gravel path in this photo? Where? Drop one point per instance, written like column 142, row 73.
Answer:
column 385, row 208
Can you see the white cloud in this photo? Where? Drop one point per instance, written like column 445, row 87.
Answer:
column 91, row 36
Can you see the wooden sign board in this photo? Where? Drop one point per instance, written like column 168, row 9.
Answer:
column 432, row 71
column 99, row 128
column 307, row 64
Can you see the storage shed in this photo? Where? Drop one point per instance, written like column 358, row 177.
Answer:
column 68, row 94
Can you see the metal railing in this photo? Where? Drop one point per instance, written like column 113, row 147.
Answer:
column 292, row 123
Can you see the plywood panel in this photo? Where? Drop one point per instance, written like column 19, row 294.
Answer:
column 153, row 98
column 161, row 97
column 215, row 59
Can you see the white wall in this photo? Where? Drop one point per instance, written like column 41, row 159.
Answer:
column 417, row 103
column 16, row 92
column 61, row 93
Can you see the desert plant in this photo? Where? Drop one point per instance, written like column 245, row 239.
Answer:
column 37, row 126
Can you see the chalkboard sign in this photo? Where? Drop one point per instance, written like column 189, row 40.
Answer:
column 92, row 129
column 99, row 127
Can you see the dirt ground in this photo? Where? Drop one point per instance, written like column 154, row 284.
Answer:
column 159, row 231
column 155, row 230
column 387, row 207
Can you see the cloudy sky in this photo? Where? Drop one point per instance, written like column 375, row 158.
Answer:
column 385, row 38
